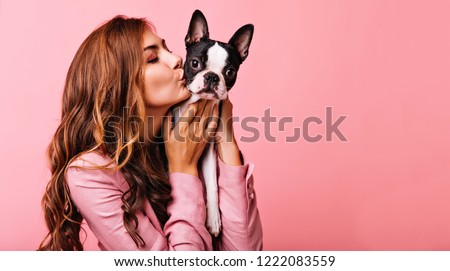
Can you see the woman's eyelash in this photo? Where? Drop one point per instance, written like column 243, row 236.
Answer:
column 153, row 60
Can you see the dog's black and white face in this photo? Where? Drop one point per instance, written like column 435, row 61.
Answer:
column 211, row 66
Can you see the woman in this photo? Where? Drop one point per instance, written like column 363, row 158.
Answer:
column 110, row 167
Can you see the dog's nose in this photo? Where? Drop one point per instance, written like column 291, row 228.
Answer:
column 211, row 78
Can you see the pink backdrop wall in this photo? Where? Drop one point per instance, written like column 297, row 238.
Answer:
column 382, row 63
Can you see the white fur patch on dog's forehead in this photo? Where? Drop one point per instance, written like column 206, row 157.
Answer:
column 217, row 57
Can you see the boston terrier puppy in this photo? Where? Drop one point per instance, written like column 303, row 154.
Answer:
column 210, row 70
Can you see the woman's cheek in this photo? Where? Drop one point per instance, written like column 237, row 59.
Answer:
column 162, row 78
column 161, row 86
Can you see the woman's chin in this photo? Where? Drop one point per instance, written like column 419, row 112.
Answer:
column 186, row 93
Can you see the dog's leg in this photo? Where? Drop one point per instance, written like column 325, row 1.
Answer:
column 213, row 222
column 208, row 165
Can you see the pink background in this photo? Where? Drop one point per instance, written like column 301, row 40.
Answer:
column 382, row 63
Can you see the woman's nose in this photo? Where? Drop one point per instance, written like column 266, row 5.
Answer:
column 177, row 62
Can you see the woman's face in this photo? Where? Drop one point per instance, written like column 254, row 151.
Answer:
column 163, row 74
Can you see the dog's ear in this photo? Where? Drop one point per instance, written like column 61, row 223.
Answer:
column 241, row 40
column 198, row 29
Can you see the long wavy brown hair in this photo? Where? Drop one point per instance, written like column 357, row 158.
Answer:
column 104, row 78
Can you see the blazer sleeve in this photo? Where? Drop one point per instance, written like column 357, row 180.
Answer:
column 241, row 224
column 185, row 229
column 97, row 195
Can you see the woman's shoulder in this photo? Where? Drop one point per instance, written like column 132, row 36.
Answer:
column 92, row 159
column 93, row 168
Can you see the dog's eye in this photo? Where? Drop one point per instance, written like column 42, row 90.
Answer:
column 230, row 72
column 195, row 64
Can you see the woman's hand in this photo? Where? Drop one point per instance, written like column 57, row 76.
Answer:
column 185, row 142
column 227, row 147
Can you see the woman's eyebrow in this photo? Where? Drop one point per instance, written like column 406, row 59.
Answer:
column 155, row 46
column 151, row 47
column 164, row 43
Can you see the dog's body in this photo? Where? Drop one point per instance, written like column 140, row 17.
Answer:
column 210, row 70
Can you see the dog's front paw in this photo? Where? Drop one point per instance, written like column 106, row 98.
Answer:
column 213, row 222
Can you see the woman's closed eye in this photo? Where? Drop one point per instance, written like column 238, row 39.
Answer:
column 152, row 60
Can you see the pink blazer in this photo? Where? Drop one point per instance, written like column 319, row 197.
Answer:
column 97, row 195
